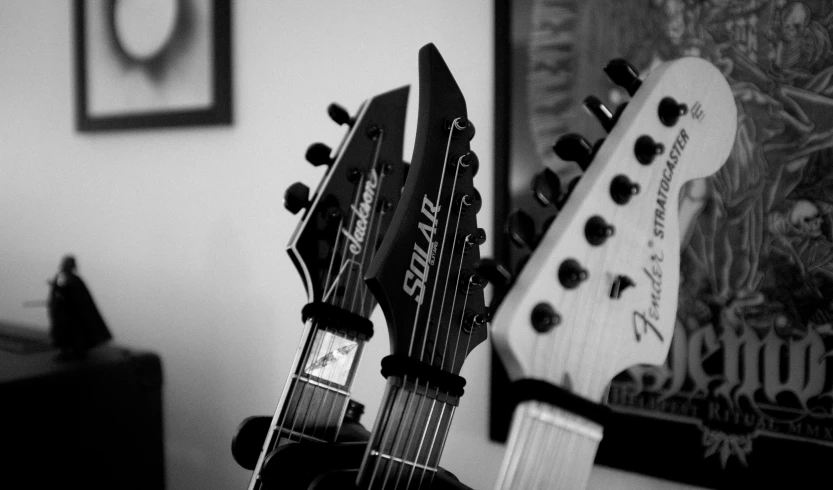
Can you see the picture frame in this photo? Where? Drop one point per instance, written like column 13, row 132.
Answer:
column 744, row 398
column 136, row 67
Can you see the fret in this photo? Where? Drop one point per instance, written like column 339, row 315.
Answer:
column 409, row 434
column 313, row 382
column 548, row 448
column 286, row 435
column 402, row 461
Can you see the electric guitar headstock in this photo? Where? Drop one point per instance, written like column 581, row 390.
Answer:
column 425, row 280
column 351, row 210
column 332, row 248
column 424, row 273
column 599, row 293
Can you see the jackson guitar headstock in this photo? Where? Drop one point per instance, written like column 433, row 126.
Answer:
column 341, row 228
column 424, row 277
column 599, row 292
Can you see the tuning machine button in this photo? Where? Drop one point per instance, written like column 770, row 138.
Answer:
column 571, row 274
column 623, row 74
column 296, row 197
column 340, row 115
column 573, row 147
column 472, row 321
column 646, row 149
column 670, row 110
column 494, row 272
column 546, row 187
column 466, row 161
column 622, row 189
column 319, row 154
column 597, row 230
column 461, row 127
column 521, row 229
column 600, row 111
column 544, row 318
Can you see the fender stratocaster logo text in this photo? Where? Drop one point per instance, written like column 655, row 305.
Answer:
column 644, row 320
column 665, row 184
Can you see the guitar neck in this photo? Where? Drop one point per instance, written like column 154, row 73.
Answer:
column 317, row 392
column 548, row 448
column 408, row 436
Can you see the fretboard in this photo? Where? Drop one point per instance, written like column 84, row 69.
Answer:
column 548, row 448
column 408, row 437
column 316, row 394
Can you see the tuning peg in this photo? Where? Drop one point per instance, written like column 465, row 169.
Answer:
column 544, row 318
column 494, row 272
column 646, row 149
column 521, row 229
column 340, row 115
column 623, row 74
column 460, row 127
column 573, row 147
column 622, row 189
column 296, row 197
column 319, row 154
column 470, row 240
column 597, row 230
column 571, row 274
column 600, row 111
column 546, row 187
column 670, row 110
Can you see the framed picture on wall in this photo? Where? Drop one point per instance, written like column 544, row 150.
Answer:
column 745, row 397
column 152, row 64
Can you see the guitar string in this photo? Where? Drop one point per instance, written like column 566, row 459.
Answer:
column 410, row 432
column 282, row 411
column 455, row 124
column 446, row 430
column 428, row 329
column 543, row 456
column 349, row 293
column 386, row 433
column 525, row 425
column 462, row 205
column 305, row 360
column 448, row 335
column 431, row 237
column 271, row 440
column 451, row 366
column 363, row 305
column 530, row 449
column 374, row 164
column 321, row 333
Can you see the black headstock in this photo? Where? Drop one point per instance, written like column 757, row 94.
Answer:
column 351, row 210
column 423, row 275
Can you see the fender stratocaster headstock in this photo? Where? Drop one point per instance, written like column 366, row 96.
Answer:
column 599, row 293
column 348, row 215
column 423, row 275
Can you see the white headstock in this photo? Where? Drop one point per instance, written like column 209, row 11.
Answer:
column 598, row 335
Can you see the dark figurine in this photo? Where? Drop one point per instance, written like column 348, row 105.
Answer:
column 75, row 323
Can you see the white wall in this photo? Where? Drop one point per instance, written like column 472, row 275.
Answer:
column 180, row 234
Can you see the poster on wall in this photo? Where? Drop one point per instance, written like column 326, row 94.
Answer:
column 746, row 394
column 152, row 64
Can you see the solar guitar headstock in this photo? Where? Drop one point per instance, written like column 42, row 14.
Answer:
column 425, row 279
column 341, row 227
column 599, row 292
